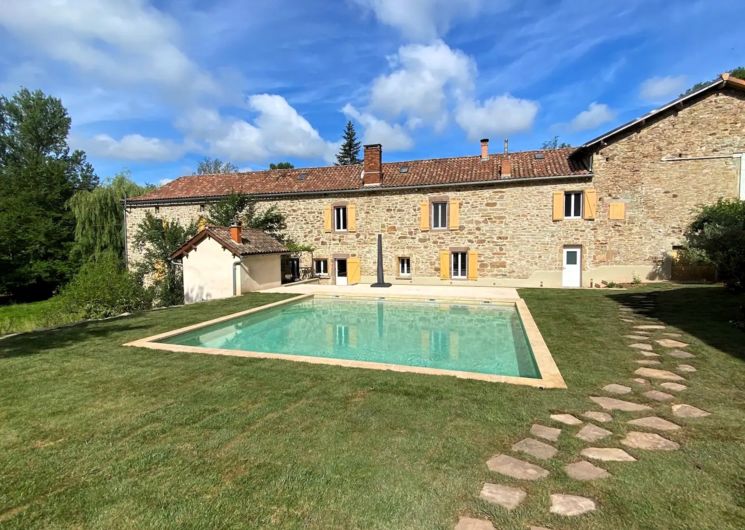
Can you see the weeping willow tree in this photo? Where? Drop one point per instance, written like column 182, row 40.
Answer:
column 99, row 216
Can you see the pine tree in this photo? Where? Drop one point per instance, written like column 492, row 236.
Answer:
column 349, row 152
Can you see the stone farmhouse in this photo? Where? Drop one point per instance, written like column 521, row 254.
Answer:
column 613, row 209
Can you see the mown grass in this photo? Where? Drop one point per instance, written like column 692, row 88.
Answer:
column 96, row 435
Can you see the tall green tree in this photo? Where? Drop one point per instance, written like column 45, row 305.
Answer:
column 39, row 173
column 282, row 165
column 99, row 216
column 349, row 152
column 242, row 207
column 209, row 166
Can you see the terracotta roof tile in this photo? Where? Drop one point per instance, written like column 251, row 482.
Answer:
column 464, row 170
column 254, row 242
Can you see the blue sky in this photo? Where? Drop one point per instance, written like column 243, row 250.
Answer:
column 153, row 87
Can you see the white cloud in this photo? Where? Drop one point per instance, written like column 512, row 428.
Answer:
column 422, row 19
column 499, row 115
column 133, row 147
column 657, row 89
column 377, row 131
column 425, row 76
column 595, row 115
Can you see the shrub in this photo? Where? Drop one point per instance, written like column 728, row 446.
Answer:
column 103, row 288
column 718, row 233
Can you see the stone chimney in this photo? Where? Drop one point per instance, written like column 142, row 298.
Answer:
column 235, row 231
column 484, row 149
column 373, row 165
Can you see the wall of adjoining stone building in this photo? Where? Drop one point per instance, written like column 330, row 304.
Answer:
column 511, row 226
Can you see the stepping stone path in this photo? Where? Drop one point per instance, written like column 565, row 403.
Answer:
column 640, row 381
column 649, row 441
column 584, row 470
column 648, row 362
column 649, row 353
column 636, row 337
column 658, row 396
column 469, row 523
column 504, row 496
column 571, row 505
column 686, row 368
column 680, row 354
column 618, row 404
column 547, row 433
column 641, row 346
column 566, row 419
column 675, row 387
column 607, row 454
column 653, row 422
column 616, row 389
column 671, row 343
column 655, row 373
column 688, row 411
column 672, row 334
column 649, row 326
column 512, row 467
column 592, row 433
column 535, row 448
column 602, row 417
column 627, row 320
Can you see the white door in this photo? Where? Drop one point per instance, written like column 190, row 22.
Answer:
column 341, row 272
column 572, row 274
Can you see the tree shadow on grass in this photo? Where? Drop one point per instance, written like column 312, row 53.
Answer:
column 35, row 342
column 708, row 313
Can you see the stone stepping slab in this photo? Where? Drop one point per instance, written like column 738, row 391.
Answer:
column 640, row 381
column 602, row 417
column 647, row 362
column 658, row 396
column 648, row 353
column 649, row 326
column 649, row 441
column 618, row 404
column 504, row 496
column 641, row 346
column 686, row 368
column 655, row 373
column 680, row 354
column 515, row 468
column 584, row 470
column 628, row 320
column 469, row 523
column 654, row 422
column 671, row 343
column 547, row 433
column 613, row 388
column 607, row 454
column 674, row 387
column 566, row 419
column 570, row 505
column 689, row 411
column 535, row 448
column 672, row 334
column 636, row 337
column 592, row 433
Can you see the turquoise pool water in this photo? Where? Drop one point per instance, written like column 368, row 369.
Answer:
column 487, row 339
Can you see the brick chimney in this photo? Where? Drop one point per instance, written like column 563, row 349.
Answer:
column 505, row 168
column 235, row 231
column 484, row 149
column 373, row 165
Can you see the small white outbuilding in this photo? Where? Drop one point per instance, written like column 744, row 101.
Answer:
column 220, row 262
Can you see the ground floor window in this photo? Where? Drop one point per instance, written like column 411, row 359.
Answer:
column 321, row 267
column 404, row 266
column 458, row 265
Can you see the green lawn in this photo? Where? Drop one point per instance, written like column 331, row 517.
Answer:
column 96, row 435
column 15, row 318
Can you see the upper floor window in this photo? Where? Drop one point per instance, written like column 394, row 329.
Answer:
column 439, row 215
column 572, row 205
column 340, row 218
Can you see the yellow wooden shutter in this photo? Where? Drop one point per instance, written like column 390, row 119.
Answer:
column 590, row 206
column 617, row 211
column 351, row 218
column 444, row 264
column 473, row 265
column 354, row 271
column 327, row 219
column 558, row 210
column 454, row 215
column 424, row 216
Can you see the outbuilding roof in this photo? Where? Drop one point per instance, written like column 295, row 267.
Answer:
column 253, row 241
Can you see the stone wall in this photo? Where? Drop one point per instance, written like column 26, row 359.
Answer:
column 511, row 226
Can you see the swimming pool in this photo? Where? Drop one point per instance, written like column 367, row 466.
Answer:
column 477, row 340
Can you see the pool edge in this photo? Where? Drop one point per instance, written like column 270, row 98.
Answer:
column 549, row 371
